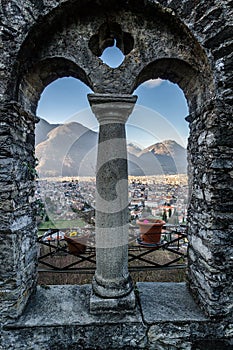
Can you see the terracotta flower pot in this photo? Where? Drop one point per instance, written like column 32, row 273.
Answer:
column 76, row 245
column 150, row 230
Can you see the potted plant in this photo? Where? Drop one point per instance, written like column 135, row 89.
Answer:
column 150, row 229
column 76, row 244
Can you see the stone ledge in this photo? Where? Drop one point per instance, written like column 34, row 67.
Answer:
column 168, row 302
column 58, row 317
column 70, row 305
column 66, row 305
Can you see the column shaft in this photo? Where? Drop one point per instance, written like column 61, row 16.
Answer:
column 112, row 280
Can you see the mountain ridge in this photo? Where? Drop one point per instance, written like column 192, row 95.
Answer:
column 71, row 150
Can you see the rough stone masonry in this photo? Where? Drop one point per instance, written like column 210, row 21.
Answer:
column 188, row 42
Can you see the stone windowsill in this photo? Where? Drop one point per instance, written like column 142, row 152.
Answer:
column 69, row 305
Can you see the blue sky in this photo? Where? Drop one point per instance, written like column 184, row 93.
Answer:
column 159, row 113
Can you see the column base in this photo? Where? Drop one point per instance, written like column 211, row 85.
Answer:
column 100, row 305
column 109, row 289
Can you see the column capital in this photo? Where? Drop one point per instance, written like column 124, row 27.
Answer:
column 112, row 108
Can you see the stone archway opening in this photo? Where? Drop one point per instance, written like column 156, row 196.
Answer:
column 64, row 105
column 62, row 99
column 63, row 108
column 158, row 153
column 111, row 41
column 138, row 66
column 72, row 173
column 170, row 106
column 112, row 56
column 66, row 156
column 167, row 48
column 40, row 75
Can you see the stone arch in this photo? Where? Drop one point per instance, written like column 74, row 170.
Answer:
column 107, row 33
column 68, row 51
column 43, row 73
column 171, row 38
column 165, row 37
column 181, row 73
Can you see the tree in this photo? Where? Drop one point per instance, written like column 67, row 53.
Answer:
column 169, row 212
column 164, row 215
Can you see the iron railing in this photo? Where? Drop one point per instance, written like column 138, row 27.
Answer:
column 56, row 256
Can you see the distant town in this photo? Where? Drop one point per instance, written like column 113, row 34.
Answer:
column 71, row 198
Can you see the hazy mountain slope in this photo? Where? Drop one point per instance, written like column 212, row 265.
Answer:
column 65, row 148
column 166, row 157
column 71, row 150
column 42, row 130
column 133, row 149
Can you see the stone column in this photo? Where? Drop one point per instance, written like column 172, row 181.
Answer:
column 112, row 285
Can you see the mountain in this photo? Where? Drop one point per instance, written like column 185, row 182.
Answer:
column 167, row 157
column 71, row 150
column 42, row 130
column 133, row 149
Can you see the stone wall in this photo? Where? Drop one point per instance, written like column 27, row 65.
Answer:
column 166, row 317
column 18, row 252
column 210, row 210
column 188, row 42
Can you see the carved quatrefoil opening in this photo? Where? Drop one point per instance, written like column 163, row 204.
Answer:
column 111, row 44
